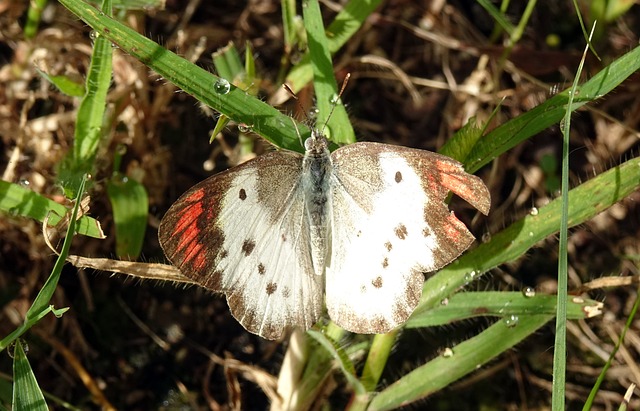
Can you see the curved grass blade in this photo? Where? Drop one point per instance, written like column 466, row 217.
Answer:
column 465, row 358
column 27, row 395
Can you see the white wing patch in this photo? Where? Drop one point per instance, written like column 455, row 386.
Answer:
column 271, row 287
column 385, row 240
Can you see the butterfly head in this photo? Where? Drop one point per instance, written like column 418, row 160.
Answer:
column 317, row 144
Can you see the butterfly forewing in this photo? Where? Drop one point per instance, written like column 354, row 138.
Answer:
column 242, row 232
column 397, row 227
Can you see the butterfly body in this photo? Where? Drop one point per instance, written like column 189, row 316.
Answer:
column 315, row 180
column 355, row 229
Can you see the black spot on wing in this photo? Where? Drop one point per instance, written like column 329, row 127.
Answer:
column 271, row 288
column 248, row 246
column 398, row 177
column 243, row 194
column 401, row 231
column 377, row 282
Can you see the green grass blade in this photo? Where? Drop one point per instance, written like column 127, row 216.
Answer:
column 33, row 18
column 341, row 358
column 235, row 103
column 632, row 315
column 339, row 128
column 130, row 205
column 585, row 202
column 377, row 359
column 227, row 62
column 91, row 111
column 462, row 142
column 498, row 16
column 27, row 395
column 560, row 345
column 90, row 121
column 40, row 306
column 64, row 84
column 462, row 306
column 515, row 131
column 466, row 357
column 20, row 201
column 343, row 27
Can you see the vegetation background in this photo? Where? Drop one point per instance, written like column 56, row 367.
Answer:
column 419, row 72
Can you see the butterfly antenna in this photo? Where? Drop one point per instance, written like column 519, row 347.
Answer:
column 335, row 102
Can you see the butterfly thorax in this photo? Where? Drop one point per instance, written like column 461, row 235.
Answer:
column 316, row 170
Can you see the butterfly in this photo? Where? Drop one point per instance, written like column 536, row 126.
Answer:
column 285, row 234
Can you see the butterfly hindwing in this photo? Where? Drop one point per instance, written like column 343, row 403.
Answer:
column 397, row 227
column 242, row 232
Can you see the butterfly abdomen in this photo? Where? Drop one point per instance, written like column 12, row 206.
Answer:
column 316, row 169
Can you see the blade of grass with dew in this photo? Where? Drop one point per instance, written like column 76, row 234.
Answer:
column 90, row 119
column 228, row 66
column 515, row 131
column 27, row 395
column 40, row 306
column 632, row 315
column 560, row 345
column 585, row 202
column 466, row 357
column 17, row 200
column 347, row 22
column 339, row 128
column 467, row 305
column 232, row 102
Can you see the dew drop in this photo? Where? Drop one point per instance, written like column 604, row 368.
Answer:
column 335, row 99
column 486, row 237
column 93, row 35
column 313, row 113
column 529, row 292
column 447, row 353
column 533, row 211
column 468, row 277
column 24, row 182
column 444, row 301
column 221, row 86
column 209, row 165
column 511, row 320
